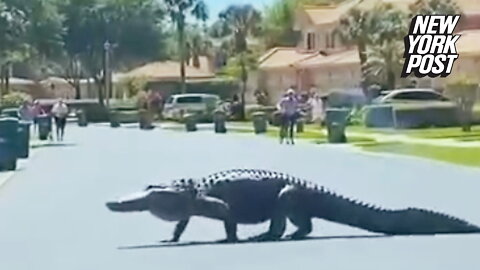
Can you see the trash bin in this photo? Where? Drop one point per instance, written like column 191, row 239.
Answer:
column 219, row 119
column 82, row 118
column 276, row 119
column 190, row 122
column 11, row 112
column 23, row 139
column 145, row 119
column 44, row 123
column 259, row 122
column 336, row 123
column 8, row 143
column 114, row 121
column 300, row 125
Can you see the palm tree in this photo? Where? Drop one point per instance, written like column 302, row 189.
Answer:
column 178, row 11
column 385, row 62
column 434, row 7
column 356, row 28
column 239, row 22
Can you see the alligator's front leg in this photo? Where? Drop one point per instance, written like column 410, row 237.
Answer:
column 179, row 229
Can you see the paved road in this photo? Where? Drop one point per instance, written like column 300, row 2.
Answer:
column 52, row 213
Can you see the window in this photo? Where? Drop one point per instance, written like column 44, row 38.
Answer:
column 310, row 41
column 327, row 40
column 419, row 96
column 332, row 40
column 189, row 100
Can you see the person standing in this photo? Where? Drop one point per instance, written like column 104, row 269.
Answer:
column 317, row 108
column 25, row 112
column 60, row 113
column 288, row 107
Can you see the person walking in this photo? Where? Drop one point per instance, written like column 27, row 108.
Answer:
column 288, row 107
column 60, row 113
column 317, row 109
column 37, row 111
column 25, row 112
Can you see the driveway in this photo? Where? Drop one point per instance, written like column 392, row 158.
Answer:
column 52, row 213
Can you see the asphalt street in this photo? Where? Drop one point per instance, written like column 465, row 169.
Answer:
column 53, row 214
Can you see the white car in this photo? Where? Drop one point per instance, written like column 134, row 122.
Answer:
column 409, row 96
column 203, row 105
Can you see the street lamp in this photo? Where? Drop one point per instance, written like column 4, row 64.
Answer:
column 107, row 71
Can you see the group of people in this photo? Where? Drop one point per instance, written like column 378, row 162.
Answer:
column 292, row 106
column 32, row 111
column 151, row 101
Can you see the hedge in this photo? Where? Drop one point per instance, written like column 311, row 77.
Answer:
column 408, row 116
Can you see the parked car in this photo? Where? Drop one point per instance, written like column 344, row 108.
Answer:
column 409, row 96
column 203, row 105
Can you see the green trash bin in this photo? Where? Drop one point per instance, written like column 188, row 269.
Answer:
column 82, row 118
column 337, row 120
column 8, row 143
column 190, row 122
column 145, row 119
column 219, row 119
column 259, row 122
column 114, row 119
column 11, row 112
column 44, row 123
column 23, row 140
column 300, row 125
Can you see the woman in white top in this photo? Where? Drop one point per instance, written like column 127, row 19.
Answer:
column 60, row 113
column 318, row 112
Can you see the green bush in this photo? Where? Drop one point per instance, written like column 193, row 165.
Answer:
column 425, row 115
column 14, row 100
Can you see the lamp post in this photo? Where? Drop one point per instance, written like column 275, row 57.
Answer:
column 107, row 72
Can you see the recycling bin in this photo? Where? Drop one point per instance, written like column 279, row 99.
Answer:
column 259, row 122
column 23, row 139
column 190, row 122
column 44, row 123
column 219, row 119
column 8, row 143
column 337, row 120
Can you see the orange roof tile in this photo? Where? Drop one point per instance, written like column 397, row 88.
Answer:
column 349, row 57
column 319, row 15
column 282, row 58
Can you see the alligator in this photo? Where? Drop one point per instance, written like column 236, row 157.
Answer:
column 250, row 196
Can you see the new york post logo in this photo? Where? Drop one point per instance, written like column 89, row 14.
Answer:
column 430, row 46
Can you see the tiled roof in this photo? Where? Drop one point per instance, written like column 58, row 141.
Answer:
column 467, row 45
column 168, row 70
column 349, row 57
column 282, row 58
column 319, row 15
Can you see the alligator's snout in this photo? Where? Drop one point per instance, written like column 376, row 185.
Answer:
column 114, row 206
column 132, row 203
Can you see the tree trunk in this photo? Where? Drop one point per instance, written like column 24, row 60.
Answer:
column 100, row 88
column 244, row 86
column 181, row 41
column 391, row 80
column 362, row 54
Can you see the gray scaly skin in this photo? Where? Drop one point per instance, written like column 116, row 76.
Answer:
column 255, row 196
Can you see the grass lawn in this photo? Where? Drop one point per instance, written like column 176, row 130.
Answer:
column 457, row 155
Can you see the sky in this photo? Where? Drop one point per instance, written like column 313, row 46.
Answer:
column 215, row 6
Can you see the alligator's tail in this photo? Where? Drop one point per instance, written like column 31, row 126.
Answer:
column 411, row 221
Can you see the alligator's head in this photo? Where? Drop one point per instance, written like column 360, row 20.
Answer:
column 163, row 202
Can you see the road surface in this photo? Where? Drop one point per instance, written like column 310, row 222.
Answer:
column 52, row 213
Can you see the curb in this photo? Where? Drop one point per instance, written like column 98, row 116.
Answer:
column 5, row 177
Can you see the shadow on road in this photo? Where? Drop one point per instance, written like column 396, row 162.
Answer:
column 211, row 243
column 53, row 144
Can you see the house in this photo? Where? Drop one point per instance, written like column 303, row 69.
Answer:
column 321, row 59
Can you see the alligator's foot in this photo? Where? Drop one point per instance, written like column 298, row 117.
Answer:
column 264, row 237
column 226, row 241
column 296, row 236
column 169, row 241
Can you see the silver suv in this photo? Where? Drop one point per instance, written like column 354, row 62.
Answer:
column 201, row 104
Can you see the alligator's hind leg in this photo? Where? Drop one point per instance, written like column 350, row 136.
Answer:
column 303, row 223
column 278, row 224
